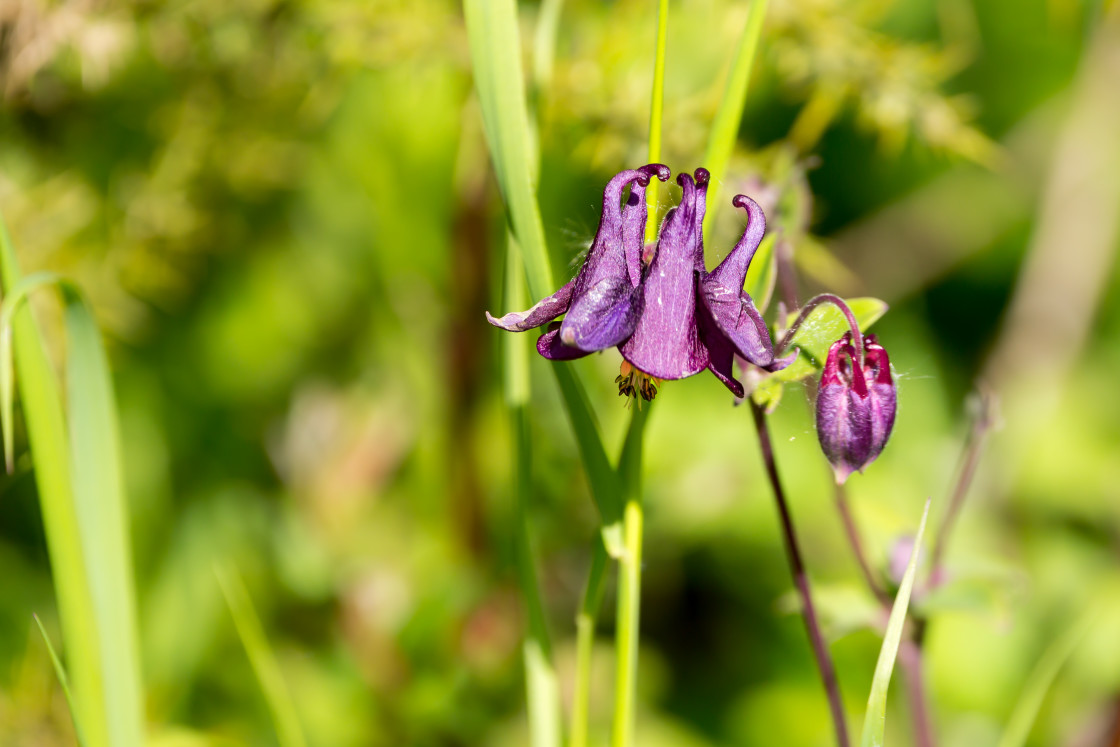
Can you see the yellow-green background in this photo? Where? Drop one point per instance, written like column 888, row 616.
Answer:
column 285, row 216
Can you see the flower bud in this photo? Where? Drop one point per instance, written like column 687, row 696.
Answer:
column 855, row 405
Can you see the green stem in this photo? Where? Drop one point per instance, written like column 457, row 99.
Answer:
column 585, row 642
column 629, row 596
column 656, row 107
column 629, row 583
column 542, row 689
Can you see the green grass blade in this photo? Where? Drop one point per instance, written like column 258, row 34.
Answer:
column 262, row 659
column 1041, row 679
column 542, row 688
column 495, row 45
column 103, row 515
column 585, row 643
column 656, row 109
column 874, row 723
column 725, row 127
column 85, row 515
column 605, row 487
column 63, row 680
column 494, row 41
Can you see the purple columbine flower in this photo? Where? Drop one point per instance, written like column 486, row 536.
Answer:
column 694, row 319
column 603, row 303
column 855, row 405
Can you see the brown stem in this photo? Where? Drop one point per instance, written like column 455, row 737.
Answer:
column 801, row 580
column 857, row 547
column 982, row 422
column 910, row 658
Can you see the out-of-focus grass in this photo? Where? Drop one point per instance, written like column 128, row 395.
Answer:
column 349, row 451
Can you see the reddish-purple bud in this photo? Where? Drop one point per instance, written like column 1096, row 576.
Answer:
column 855, row 405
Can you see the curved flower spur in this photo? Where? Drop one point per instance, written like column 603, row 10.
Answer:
column 603, row 303
column 694, row 319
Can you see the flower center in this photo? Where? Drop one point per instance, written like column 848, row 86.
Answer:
column 633, row 383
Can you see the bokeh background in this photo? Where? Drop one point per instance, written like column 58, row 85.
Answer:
column 285, row 215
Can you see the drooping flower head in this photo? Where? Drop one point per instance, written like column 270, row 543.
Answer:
column 694, row 319
column 669, row 317
column 603, row 302
column 856, row 405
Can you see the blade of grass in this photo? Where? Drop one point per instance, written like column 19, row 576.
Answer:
column 874, row 723
column 1041, row 679
column 63, row 680
column 495, row 45
column 496, row 59
column 85, row 513
column 542, row 687
column 656, row 108
column 725, row 127
column 628, row 480
column 289, row 733
column 585, row 643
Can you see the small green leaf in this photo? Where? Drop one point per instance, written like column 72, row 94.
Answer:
column 824, row 326
column 874, row 723
column 768, row 393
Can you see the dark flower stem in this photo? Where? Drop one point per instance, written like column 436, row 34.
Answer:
column 856, row 542
column 982, row 421
column 910, row 658
column 808, row 308
column 801, row 580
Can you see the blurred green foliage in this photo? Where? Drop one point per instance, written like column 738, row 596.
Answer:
column 283, row 213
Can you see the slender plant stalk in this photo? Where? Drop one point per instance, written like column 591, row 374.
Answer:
column 807, row 310
column 629, row 584
column 585, row 643
column 289, row 733
column 911, row 660
column 856, row 542
column 63, row 680
column 656, row 108
column 725, row 127
column 629, row 596
column 801, row 580
column 970, row 458
column 542, row 688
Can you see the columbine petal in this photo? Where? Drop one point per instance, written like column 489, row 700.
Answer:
column 666, row 343
column 607, row 299
column 543, row 311
column 729, row 322
column 603, row 302
column 731, row 325
column 881, row 394
column 843, row 414
column 550, row 346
